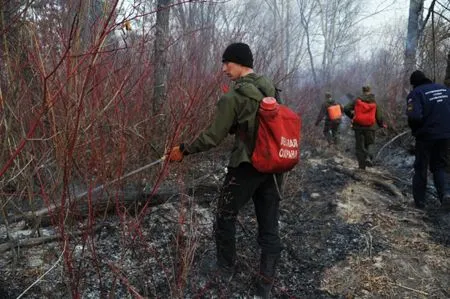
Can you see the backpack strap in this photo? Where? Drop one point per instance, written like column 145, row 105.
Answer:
column 239, row 87
column 277, row 93
column 277, row 90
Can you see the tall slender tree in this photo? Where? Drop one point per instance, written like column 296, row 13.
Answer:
column 160, row 54
column 415, row 20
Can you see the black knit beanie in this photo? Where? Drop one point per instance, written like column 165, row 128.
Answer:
column 239, row 53
column 418, row 78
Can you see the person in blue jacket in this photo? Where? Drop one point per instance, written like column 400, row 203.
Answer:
column 428, row 112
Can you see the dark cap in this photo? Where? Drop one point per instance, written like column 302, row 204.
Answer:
column 239, row 53
column 418, row 78
column 366, row 88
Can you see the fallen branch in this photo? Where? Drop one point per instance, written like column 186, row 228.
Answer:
column 359, row 176
column 387, row 144
column 26, row 242
column 410, row 289
column 14, row 243
column 390, row 187
column 131, row 196
column 95, row 190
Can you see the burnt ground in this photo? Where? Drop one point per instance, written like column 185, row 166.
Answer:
column 346, row 234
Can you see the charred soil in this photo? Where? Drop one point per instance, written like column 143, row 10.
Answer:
column 346, row 233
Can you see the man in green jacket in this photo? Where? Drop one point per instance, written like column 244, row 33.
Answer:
column 236, row 114
column 331, row 126
column 366, row 117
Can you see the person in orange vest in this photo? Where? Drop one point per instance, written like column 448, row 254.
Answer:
column 366, row 117
column 332, row 112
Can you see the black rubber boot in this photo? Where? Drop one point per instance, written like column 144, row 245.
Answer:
column 419, row 204
column 266, row 275
column 226, row 254
column 211, row 269
column 445, row 202
column 368, row 162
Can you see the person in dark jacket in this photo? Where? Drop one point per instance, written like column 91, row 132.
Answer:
column 236, row 114
column 428, row 112
column 366, row 127
column 331, row 126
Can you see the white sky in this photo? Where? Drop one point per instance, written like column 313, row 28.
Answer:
column 382, row 13
column 376, row 15
column 390, row 11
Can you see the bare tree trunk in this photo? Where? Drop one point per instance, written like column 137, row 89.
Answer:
column 287, row 35
column 325, row 27
column 9, row 36
column 447, row 72
column 305, row 20
column 160, row 56
column 412, row 38
column 88, row 13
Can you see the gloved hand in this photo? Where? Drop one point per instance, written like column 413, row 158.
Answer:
column 175, row 154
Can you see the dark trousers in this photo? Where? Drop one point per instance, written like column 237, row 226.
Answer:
column 435, row 155
column 363, row 146
column 331, row 131
column 241, row 184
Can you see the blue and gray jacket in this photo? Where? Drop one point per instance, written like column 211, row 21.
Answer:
column 428, row 111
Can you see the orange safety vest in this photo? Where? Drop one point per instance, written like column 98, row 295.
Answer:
column 334, row 112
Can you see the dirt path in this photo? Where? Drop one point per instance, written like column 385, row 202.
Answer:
column 381, row 247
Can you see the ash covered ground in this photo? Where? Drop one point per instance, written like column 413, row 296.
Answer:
column 346, row 234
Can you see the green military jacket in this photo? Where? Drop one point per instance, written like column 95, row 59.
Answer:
column 236, row 114
column 368, row 98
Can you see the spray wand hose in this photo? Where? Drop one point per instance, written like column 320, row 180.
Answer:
column 101, row 187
